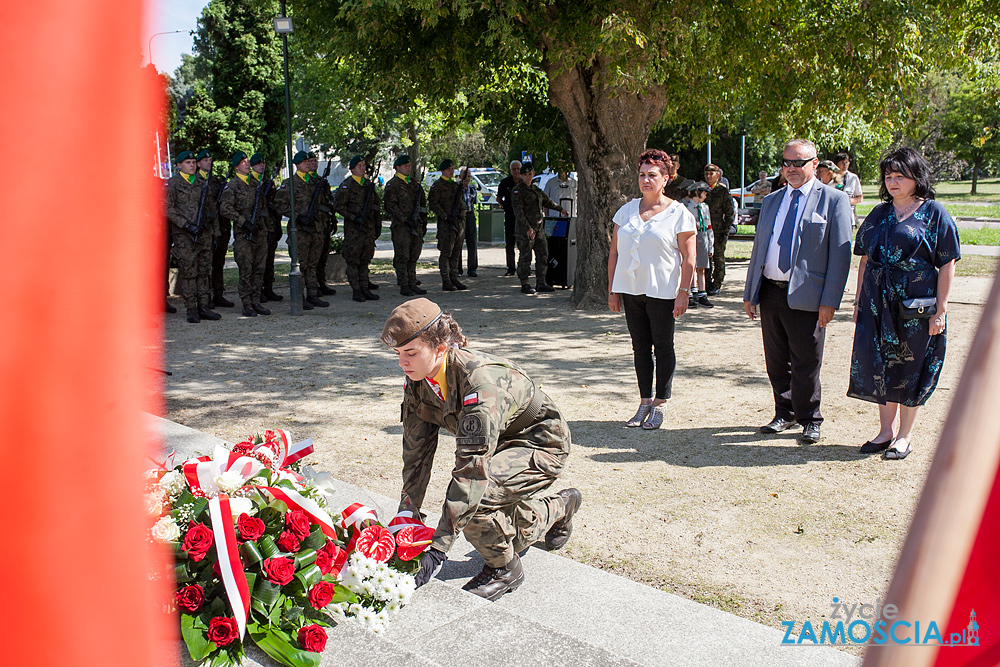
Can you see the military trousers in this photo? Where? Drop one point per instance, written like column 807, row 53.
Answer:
column 324, row 253
column 407, row 242
column 450, row 242
column 251, row 256
column 718, row 261
column 220, row 246
column 310, row 245
column 273, row 236
column 517, row 508
column 194, row 268
column 540, row 246
column 359, row 248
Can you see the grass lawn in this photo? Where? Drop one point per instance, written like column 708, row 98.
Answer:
column 987, row 190
column 956, row 210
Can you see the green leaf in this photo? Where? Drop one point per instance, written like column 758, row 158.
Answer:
column 343, row 594
column 266, row 592
column 267, row 546
column 304, row 558
column 280, row 650
column 251, row 554
column 316, row 539
column 197, row 642
column 308, row 576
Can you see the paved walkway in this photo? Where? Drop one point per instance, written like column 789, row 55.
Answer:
column 566, row 614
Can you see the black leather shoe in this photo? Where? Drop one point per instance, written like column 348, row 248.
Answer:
column 326, row 290
column 449, row 287
column 510, row 272
column 272, row 295
column 703, row 300
column 169, row 308
column 777, row 425
column 459, row 285
column 372, row 285
column 473, row 274
column 249, row 312
column 527, row 289
column 894, row 454
column 545, row 287
column 810, row 434
column 259, row 309
column 221, row 301
column 369, row 295
column 306, row 305
column 560, row 531
column 493, row 582
column 358, row 296
column 207, row 314
column 193, row 316
column 872, row 447
column 318, row 302
column 406, row 290
column 714, row 292
column 418, row 290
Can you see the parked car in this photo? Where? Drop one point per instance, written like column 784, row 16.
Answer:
column 484, row 179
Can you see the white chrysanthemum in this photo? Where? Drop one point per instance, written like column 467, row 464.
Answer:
column 240, row 505
column 229, row 481
column 173, row 484
column 152, row 503
column 355, row 609
column 391, row 609
column 166, row 530
column 349, row 577
column 284, row 474
column 366, row 616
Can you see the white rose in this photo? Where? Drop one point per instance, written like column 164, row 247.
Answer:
column 152, row 503
column 229, row 481
column 166, row 530
column 173, row 484
column 240, row 505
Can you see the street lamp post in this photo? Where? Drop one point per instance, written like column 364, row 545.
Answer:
column 149, row 45
column 283, row 26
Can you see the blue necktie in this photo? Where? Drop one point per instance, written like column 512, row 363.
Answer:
column 785, row 239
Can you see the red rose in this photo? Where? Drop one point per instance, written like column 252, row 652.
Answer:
column 279, row 570
column 321, row 594
column 190, row 598
column 337, row 555
column 288, row 542
column 223, row 630
column 250, row 527
column 313, row 638
column 376, row 542
column 323, row 561
column 198, row 541
column 299, row 523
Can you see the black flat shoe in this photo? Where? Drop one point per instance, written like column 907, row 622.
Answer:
column 896, row 455
column 872, row 447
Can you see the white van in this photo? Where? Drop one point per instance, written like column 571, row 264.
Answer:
column 484, row 179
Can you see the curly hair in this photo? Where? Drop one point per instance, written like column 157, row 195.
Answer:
column 655, row 157
column 445, row 330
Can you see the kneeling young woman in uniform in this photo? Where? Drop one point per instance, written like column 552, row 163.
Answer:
column 511, row 443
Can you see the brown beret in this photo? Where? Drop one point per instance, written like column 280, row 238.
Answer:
column 408, row 320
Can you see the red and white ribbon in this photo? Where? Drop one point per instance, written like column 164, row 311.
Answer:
column 402, row 520
column 296, row 501
column 355, row 514
column 299, row 451
column 230, row 566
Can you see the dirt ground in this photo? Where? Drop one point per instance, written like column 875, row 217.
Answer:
column 705, row 507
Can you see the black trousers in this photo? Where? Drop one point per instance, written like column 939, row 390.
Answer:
column 220, row 248
column 793, row 354
column 470, row 243
column 510, row 241
column 651, row 325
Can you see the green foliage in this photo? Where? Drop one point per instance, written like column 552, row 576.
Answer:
column 971, row 124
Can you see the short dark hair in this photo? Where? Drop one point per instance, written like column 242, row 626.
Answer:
column 840, row 157
column 654, row 156
column 676, row 158
column 909, row 163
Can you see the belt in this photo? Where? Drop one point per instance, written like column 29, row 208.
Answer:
column 783, row 284
column 527, row 416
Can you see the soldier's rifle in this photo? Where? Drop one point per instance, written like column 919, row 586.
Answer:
column 270, row 231
column 309, row 219
column 259, row 195
column 414, row 220
column 456, row 223
column 369, row 190
column 194, row 228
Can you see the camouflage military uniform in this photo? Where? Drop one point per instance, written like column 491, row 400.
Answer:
column 720, row 208
column 272, row 220
column 221, row 229
column 308, row 232
column 193, row 252
column 673, row 188
column 329, row 220
column 447, row 203
column 237, row 204
column 362, row 227
column 403, row 199
column 529, row 203
column 498, row 494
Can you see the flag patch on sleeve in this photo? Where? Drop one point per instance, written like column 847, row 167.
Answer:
column 471, row 399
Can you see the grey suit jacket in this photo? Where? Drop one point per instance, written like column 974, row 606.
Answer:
column 821, row 255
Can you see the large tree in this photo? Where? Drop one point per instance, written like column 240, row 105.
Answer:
column 615, row 68
column 970, row 126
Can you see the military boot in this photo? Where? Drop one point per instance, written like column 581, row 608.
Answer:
column 560, row 531
column 527, row 289
column 248, row 311
column 221, row 301
column 458, row 285
column 544, row 287
column 193, row 316
column 448, row 286
column 368, row 294
column 416, row 289
column 169, row 308
column 306, row 305
column 207, row 314
column 318, row 302
column 326, row 290
column 372, row 285
column 406, row 290
column 259, row 309
column 493, row 582
column 271, row 294
column 358, row 296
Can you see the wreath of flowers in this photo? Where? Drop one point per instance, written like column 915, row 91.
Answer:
column 257, row 553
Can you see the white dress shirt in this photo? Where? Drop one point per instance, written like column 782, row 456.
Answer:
column 771, row 269
column 649, row 258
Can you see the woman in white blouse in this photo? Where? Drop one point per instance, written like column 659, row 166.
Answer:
column 651, row 260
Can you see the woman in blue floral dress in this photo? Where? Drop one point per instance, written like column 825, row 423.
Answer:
column 908, row 246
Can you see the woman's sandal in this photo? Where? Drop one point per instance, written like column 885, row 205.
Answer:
column 655, row 418
column 640, row 416
column 895, row 454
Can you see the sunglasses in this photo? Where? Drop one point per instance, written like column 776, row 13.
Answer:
column 796, row 163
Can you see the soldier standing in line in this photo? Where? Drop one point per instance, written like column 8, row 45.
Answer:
column 187, row 200
column 359, row 205
column 307, row 226
column 259, row 176
column 511, row 444
column 166, row 266
column 675, row 185
column 720, row 208
column 220, row 230
column 446, row 201
column 406, row 205
column 529, row 203
column 243, row 203
column 329, row 219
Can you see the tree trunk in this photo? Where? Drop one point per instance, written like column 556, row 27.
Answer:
column 608, row 128
column 411, row 135
column 976, row 163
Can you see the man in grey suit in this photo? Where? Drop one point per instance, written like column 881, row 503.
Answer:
column 798, row 269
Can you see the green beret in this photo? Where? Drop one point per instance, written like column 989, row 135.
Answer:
column 401, row 160
column 237, row 157
column 354, row 161
column 829, row 165
column 300, row 157
column 526, row 167
column 256, row 158
column 184, row 155
column 408, row 320
column 445, row 163
column 202, row 155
